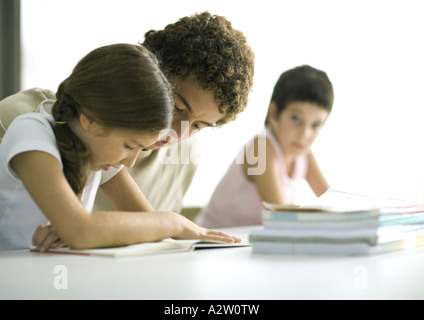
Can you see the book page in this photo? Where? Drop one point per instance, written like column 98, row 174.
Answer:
column 165, row 246
column 339, row 201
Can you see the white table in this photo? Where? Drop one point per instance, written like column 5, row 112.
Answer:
column 230, row 273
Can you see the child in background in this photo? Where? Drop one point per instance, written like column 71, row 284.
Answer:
column 301, row 102
column 114, row 104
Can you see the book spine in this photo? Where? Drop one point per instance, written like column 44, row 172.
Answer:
column 319, row 216
column 296, row 248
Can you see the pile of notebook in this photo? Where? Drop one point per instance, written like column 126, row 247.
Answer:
column 342, row 224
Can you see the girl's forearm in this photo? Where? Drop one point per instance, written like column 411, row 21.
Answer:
column 103, row 229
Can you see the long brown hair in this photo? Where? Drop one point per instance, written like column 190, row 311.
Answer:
column 119, row 86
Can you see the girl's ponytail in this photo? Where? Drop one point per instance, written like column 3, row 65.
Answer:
column 75, row 155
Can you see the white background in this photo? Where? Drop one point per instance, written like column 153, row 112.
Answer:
column 373, row 52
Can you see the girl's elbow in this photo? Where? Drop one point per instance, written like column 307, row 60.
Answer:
column 80, row 240
column 79, row 243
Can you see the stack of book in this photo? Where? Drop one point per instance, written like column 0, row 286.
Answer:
column 349, row 229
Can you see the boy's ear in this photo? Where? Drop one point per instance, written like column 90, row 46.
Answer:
column 272, row 112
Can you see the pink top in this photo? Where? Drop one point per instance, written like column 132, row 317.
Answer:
column 236, row 200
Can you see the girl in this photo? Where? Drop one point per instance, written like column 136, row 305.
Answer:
column 299, row 107
column 114, row 104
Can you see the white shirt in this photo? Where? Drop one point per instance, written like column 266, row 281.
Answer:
column 19, row 214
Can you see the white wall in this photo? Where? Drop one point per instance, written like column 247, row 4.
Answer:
column 372, row 51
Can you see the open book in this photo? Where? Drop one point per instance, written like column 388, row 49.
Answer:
column 147, row 248
column 339, row 201
column 341, row 205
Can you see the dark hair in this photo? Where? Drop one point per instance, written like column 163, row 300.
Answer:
column 206, row 49
column 119, row 86
column 303, row 83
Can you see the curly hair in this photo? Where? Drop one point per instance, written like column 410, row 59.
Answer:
column 206, row 49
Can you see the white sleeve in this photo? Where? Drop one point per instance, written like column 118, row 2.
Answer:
column 30, row 132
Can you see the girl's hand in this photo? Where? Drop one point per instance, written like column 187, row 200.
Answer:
column 45, row 237
column 191, row 230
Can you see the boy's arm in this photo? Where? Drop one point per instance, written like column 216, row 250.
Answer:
column 124, row 194
column 164, row 184
column 21, row 103
column 315, row 178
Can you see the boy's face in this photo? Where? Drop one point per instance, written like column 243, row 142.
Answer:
column 195, row 109
column 297, row 126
